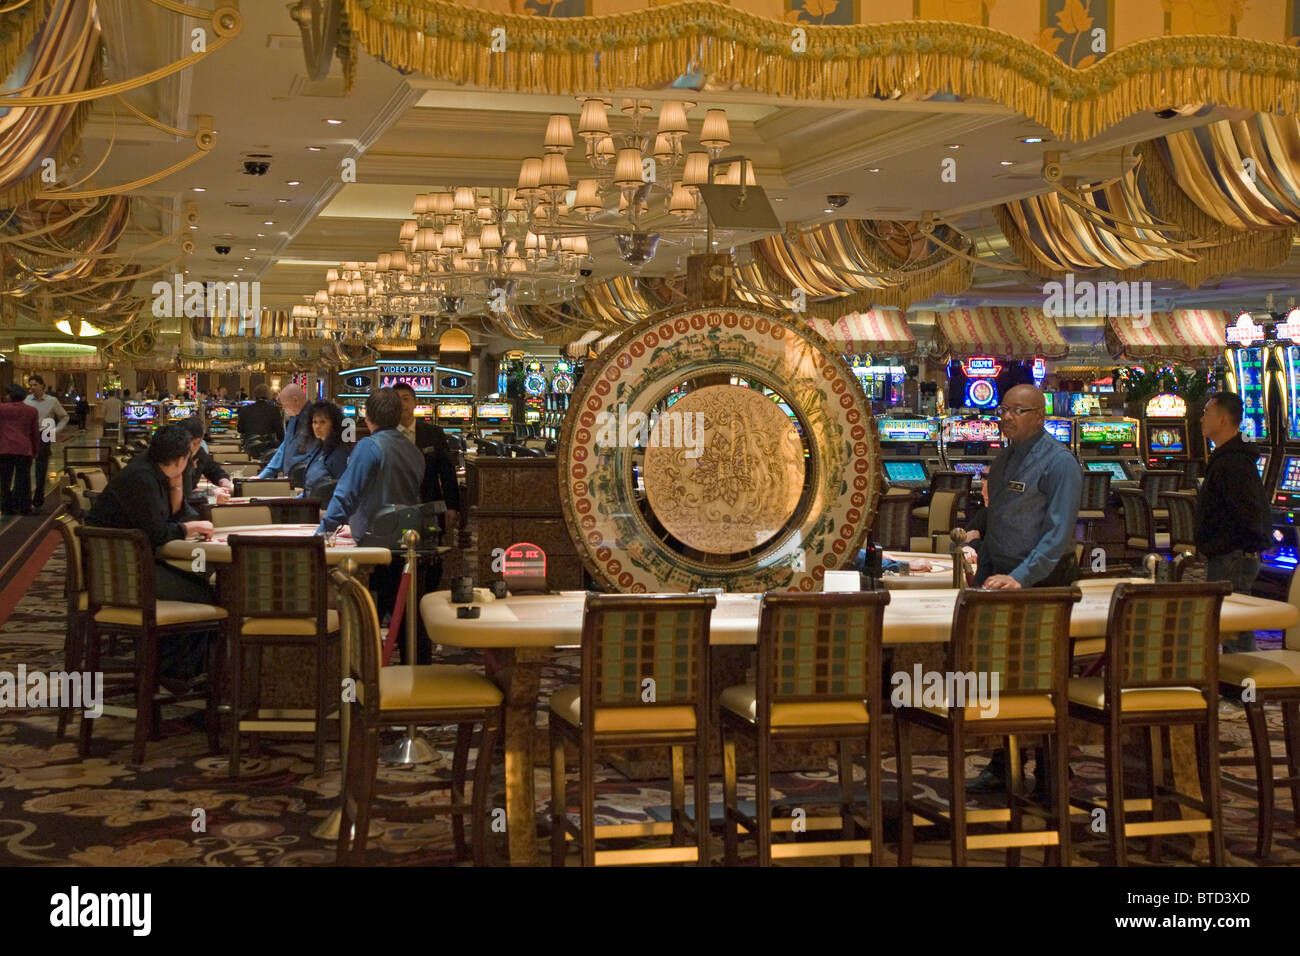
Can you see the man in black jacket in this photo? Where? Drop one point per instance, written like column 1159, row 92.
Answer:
column 440, row 482
column 202, row 464
column 261, row 417
column 1232, row 515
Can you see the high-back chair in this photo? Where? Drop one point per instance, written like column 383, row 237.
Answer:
column 1274, row 677
column 250, row 470
column 262, row 487
column 400, row 696
column 1093, row 498
column 94, row 479
column 233, row 458
column 1157, row 481
column 1021, row 639
column 1162, row 656
column 239, row 516
column 121, row 598
column 1140, row 533
column 279, row 600
column 893, row 519
column 74, row 594
column 644, row 683
column 945, row 481
column 1181, row 508
column 819, row 679
column 941, row 517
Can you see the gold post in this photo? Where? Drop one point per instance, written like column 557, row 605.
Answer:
column 959, row 563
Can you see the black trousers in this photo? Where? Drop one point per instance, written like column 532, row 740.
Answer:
column 40, row 474
column 15, row 484
column 185, row 655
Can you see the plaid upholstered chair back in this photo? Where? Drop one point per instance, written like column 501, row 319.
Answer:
column 117, row 567
column 1156, row 481
column 1137, row 515
column 1095, row 492
column 362, row 644
column 1019, row 638
column 278, row 577
column 67, row 527
column 1182, row 518
column 820, row 647
column 628, row 640
column 893, row 512
column 1164, row 635
column 950, row 481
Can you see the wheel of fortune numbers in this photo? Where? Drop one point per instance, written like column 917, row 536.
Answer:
column 672, row 477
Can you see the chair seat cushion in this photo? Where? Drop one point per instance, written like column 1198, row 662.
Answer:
column 567, row 703
column 1160, row 513
column 922, row 512
column 1162, row 542
column 743, row 700
column 1010, row 707
column 166, row 612
column 259, row 626
column 1265, row 668
column 447, row 686
column 1091, row 692
column 1089, row 646
column 1090, row 515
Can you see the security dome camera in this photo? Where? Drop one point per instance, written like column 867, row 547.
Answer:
column 222, row 250
column 254, row 167
column 584, row 272
column 838, row 200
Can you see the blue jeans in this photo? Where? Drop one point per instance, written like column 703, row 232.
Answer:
column 1241, row 570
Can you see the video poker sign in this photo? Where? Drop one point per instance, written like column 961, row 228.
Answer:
column 420, row 376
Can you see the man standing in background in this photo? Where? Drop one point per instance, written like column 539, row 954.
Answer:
column 20, row 437
column 112, row 406
column 51, row 419
column 293, row 399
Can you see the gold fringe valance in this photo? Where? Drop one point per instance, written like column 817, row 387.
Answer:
column 649, row 49
column 18, row 29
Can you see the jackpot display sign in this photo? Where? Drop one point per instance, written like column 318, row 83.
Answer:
column 421, row 376
column 1108, row 433
column 966, row 431
column 981, row 373
column 907, row 430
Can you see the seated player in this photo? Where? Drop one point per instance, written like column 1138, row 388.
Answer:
column 148, row 494
column 203, row 465
column 326, row 453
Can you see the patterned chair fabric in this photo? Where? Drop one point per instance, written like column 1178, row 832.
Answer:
column 1137, row 517
column 891, row 528
column 950, row 481
column 1015, row 641
column 277, row 582
column 1095, row 492
column 635, row 644
column 1165, row 639
column 1182, row 519
column 822, row 652
column 112, row 569
column 1156, row 482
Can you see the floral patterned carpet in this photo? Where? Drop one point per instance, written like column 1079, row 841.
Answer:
column 56, row 809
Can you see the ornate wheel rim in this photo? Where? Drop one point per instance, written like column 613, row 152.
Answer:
column 598, row 494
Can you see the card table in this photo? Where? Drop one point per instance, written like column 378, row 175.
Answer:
column 217, row 550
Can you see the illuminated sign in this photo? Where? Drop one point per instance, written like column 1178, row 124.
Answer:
column 358, row 381
column 454, row 381
column 454, row 411
column 1245, row 331
column 1039, row 370
column 419, row 383
column 494, row 410
column 981, row 366
column 1167, row 406
column 1290, row 329
column 524, row 567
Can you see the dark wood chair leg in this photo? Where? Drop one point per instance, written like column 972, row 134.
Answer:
column 1255, row 719
column 236, row 696
column 350, row 787
column 957, row 800
column 700, row 783
column 459, row 770
column 1015, row 792
column 903, row 759
column 72, row 662
column 92, row 665
column 1207, row 746
column 211, row 712
column 677, row 810
column 1291, row 731
column 587, row 787
column 1114, row 756
column 559, row 798
column 876, row 807
column 763, row 798
column 730, row 807
column 849, row 826
column 321, row 728
column 146, row 689
column 1057, row 752
column 1155, row 780
column 368, row 767
column 482, row 782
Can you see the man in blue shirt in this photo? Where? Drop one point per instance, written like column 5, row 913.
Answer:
column 293, row 399
column 1025, row 537
column 385, row 469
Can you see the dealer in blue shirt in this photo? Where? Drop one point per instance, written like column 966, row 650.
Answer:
column 1025, row 537
column 293, row 399
column 385, row 469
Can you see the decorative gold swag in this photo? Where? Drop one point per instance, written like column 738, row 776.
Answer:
column 649, row 49
column 18, row 28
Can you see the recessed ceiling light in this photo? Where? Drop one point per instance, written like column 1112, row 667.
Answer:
column 284, row 200
column 294, row 182
column 1031, row 139
column 261, row 235
column 315, row 149
column 252, row 248
column 194, row 227
column 778, row 199
column 874, row 169
column 240, row 269
column 246, row 258
column 953, row 146
column 199, row 189
column 334, row 122
column 268, row 223
column 1006, row 162
column 828, row 210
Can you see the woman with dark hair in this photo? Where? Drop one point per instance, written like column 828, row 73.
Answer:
column 323, row 451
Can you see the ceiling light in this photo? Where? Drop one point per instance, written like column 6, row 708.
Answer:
column 1006, row 162
column 294, row 182
column 1031, row 139
column 953, row 146
column 246, row 258
column 334, row 122
column 261, row 235
column 778, row 199
column 315, row 149
column 874, row 169
column 283, row 200
column 268, row 223
column 194, row 227
column 824, row 210
column 199, row 189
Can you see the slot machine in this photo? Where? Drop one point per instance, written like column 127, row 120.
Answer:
column 969, row 443
column 221, row 419
column 1060, row 428
column 1165, row 439
column 178, row 410
column 557, row 401
column 139, row 419
column 493, row 420
column 455, row 418
column 981, row 373
column 909, row 449
column 1247, row 355
column 1110, row 444
column 535, row 390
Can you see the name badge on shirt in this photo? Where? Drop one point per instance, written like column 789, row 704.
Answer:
column 1017, row 486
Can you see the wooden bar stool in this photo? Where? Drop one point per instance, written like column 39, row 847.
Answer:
column 1140, row 533
column 121, row 598
column 74, row 594
column 1021, row 640
column 1162, row 667
column 893, row 518
column 1093, row 498
column 279, row 599
column 403, row 695
column 645, row 683
column 819, row 678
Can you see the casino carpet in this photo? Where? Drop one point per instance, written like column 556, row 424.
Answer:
column 56, row 809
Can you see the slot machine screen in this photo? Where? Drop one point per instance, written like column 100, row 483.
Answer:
column 907, row 430
column 1167, row 438
column 220, row 414
column 969, row 431
column 905, row 471
column 490, row 410
column 1261, row 464
column 1062, row 431
column 1115, row 468
column 349, row 411
column 1288, row 482
column 1108, row 433
column 423, row 411
column 456, row 410
column 140, row 413
column 977, row 468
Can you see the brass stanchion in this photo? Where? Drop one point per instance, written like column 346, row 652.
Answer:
column 960, row 566
column 411, row 749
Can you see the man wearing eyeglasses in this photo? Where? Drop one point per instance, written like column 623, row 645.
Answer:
column 1026, row 534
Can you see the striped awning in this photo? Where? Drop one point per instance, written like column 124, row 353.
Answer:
column 1002, row 331
column 881, row 331
column 1187, row 335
